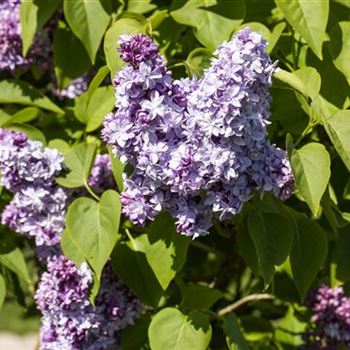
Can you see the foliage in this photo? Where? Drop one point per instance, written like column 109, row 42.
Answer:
column 274, row 248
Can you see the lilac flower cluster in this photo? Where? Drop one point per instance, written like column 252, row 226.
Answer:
column 11, row 57
column 330, row 327
column 75, row 88
column 28, row 170
column 101, row 175
column 198, row 147
column 70, row 321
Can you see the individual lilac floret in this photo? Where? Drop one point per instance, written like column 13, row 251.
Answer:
column 330, row 326
column 11, row 56
column 70, row 321
column 101, row 175
column 195, row 144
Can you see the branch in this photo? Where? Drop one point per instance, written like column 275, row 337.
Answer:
column 240, row 302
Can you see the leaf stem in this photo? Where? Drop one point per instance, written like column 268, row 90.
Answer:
column 131, row 238
column 91, row 192
column 206, row 248
column 253, row 297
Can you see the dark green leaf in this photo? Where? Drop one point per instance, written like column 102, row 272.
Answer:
column 70, row 57
column 196, row 296
column 234, row 337
column 135, row 336
column 308, row 253
column 272, row 245
column 132, row 267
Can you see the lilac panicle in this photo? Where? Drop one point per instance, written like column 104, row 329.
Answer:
column 70, row 321
column 11, row 57
column 330, row 322
column 28, row 170
column 195, row 144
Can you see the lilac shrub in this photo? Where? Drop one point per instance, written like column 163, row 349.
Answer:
column 330, row 322
column 198, row 148
column 11, row 57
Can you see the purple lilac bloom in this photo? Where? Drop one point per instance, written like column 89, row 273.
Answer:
column 70, row 321
column 330, row 322
column 195, row 144
column 74, row 89
column 101, row 175
column 11, row 57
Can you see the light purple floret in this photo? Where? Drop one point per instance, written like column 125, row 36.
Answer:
column 199, row 148
column 70, row 321
column 74, row 89
column 330, row 326
column 11, row 57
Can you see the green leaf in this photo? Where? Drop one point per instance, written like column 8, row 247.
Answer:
column 88, row 21
column 132, row 267
column 118, row 28
column 135, row 336
column 12, row 258
column 165, row 249
column 311, row 80
column 27, row 114
column 138, row 6
column 172, row 330
column 275, row 36
column 16, row 91
column 4, row 118
column 338, row 130
column 96, row 82
column 92, row 111
column 33, row 15
column 290, row 330
column 117, row 169
column 234, row 337
column 340, row 47
column 272, row 245
column 309, row 19
column 341, row 255
column 2, row 291
column 79, row 162
column 286, row 80
column 196, row 296
column 61, row 145
column 198, row 60
column 213, row 21
column 93, row 228
column 70, row 57
column 31, row 131
column 309, row 251
column 311, row 169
